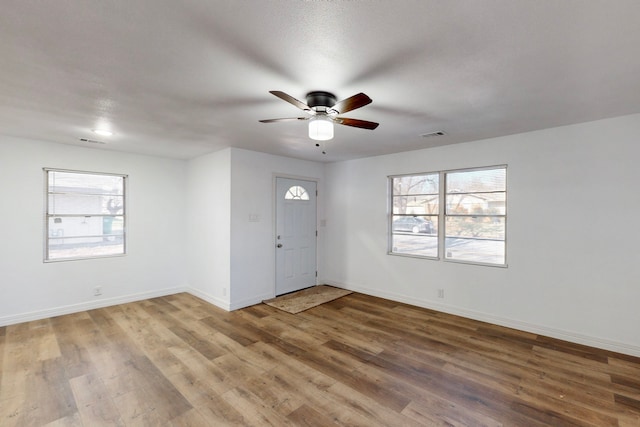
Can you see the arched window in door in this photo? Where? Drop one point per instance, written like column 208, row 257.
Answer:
column 296, row 192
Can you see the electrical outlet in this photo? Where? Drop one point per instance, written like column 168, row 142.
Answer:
column 97, row 291
column 440, row 293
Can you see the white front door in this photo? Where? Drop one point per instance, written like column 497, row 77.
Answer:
column 295, row 235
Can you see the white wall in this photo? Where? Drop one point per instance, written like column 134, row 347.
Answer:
column 181, row 232
column 572, row 232
column 154, row 264
column 231, row 258
column 573, row 236
column 253, row 242
column 208, row 227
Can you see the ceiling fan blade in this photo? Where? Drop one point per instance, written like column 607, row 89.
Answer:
column 356, row 123
column 351, row 103
column 287, row 119
column 291, row 100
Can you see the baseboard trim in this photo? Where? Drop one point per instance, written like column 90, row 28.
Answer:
column 573, row 337
column 209, row 298
column 89, row 305
column 250, row 301
column 107, row 302
column 471, row 314
column 226, row 305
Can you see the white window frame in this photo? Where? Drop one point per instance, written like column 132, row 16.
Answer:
column 48, row 235
column 393, row 216
column 502, row 216
column 442, row 217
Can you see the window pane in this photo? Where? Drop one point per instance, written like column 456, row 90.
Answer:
column 416, row 184
column 90, row 204
column 473, row 250
column 415, row 224
column 296, row 193
column 476, row 215
column 85, row 182
column 415, row 244
column 415, row 235
column 75, row 226
column 476, row 203
column 416, row 205
column 85, row 247
column 476, row 227
column 479, row 239
column 415, row 209
column 477, row 181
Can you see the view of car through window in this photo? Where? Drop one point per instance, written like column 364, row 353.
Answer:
column 413, row 224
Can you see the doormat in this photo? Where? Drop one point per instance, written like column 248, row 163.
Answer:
column 305, row 299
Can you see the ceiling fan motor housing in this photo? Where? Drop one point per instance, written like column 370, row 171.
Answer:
column 323, row 105
column 321, row 99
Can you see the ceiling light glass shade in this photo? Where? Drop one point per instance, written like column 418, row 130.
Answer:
column 320, row 128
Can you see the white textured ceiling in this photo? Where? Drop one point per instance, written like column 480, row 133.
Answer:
column 183, row 78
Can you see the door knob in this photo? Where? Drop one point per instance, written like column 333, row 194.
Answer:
column 279, row 245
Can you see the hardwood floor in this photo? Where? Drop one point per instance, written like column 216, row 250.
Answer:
column 359, row 360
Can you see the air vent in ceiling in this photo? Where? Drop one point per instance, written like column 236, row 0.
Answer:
column 432, row 134
column 92, row 141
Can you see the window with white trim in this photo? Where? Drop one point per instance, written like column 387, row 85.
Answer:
column 84, row 215
column 476, row 215
column 415, row 213
column 457, row 215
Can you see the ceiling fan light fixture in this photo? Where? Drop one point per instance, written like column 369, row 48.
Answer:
column 320, row 128
column 325, row 111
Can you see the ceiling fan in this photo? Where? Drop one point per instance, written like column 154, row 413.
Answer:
column 323, row 112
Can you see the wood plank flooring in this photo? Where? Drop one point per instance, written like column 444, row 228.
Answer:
column 356, row 361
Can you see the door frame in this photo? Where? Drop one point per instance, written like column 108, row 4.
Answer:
column 274, row 225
